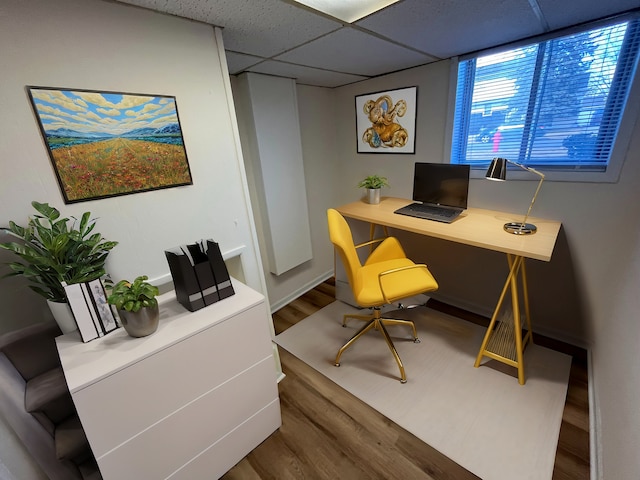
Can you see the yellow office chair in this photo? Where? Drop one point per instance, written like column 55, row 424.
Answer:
column 386, row 277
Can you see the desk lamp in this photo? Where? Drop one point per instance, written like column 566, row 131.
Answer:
column 498, row 171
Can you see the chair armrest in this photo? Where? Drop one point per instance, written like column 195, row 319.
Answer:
column 370, row 242
column 36, row 329
column 30, row 432
column 401, row 269
column 429, row 283
column 32, row 350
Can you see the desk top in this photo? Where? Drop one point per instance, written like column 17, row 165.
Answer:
column 476, row 227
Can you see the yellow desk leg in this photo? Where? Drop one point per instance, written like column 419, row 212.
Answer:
column 372, row 233
column 372, row 230
column 517, row 328
column 525, row 294
column 504, row 343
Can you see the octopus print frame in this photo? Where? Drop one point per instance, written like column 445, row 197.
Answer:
column 386, row 121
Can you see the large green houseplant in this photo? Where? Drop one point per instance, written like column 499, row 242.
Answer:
column 55, row 250
column 137, row 305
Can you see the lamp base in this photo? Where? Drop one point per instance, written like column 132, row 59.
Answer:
column 519, row 228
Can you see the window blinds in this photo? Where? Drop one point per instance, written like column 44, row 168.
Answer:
column 556, row 103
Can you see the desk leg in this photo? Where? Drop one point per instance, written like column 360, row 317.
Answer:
column 503, row 342
column 372, row 230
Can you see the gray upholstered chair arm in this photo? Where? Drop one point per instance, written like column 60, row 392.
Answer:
column 26, row 427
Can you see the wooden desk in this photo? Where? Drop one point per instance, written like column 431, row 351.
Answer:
column 484, row 229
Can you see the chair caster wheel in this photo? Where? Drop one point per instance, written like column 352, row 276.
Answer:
column 337, row 364
column 416, row 340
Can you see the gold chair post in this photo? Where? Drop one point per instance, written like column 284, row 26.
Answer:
column 377, row 322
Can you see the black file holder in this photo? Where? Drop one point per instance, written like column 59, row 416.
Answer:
column 200, row 276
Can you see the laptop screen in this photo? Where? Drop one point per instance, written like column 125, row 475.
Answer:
column 441, row 184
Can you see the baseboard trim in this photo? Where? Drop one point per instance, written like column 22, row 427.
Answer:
column 595, row 447
column 301, row 291
column 483, row 311
column 462, row 304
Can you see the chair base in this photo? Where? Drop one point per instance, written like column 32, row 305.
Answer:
column 375, row 321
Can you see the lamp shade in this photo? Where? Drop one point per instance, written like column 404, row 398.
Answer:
column 497, row 170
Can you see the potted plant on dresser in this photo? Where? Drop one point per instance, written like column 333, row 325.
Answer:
column 55, row 251
column 373, row 184
column 137, row 305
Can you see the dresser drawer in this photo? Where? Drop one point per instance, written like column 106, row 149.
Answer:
column 165, row 447
column 221, row 457
column 133, row 399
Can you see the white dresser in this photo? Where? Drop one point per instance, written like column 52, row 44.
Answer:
column 188, row 401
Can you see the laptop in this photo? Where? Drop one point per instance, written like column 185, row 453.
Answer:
column 440, row 192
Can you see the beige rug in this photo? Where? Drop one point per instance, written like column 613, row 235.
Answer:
column 479, row 417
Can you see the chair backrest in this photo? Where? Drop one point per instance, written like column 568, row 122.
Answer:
column 340, row 235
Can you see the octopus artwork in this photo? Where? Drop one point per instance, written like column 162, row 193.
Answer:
column 384, row 130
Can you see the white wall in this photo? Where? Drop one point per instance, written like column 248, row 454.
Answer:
column 616, row 360
column 107, row 46
column 275, row 171
column 317, row 125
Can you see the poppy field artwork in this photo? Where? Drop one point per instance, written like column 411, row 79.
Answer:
column 104, row 144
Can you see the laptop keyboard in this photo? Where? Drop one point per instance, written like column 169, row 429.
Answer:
column 429, row 212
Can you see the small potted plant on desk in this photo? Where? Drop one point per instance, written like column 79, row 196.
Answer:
column 373, row 184
column 137, row 305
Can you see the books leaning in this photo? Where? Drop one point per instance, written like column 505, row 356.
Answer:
column 92, row 313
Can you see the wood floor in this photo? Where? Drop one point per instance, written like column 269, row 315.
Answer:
column 327, row 433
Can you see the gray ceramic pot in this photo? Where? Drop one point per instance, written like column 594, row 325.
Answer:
column 141, row 323
column 373, row 196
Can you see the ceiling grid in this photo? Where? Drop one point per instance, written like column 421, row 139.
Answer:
column 284, row 38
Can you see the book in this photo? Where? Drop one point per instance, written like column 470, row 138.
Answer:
column 81, row 311
column 102, row 308
column 97, row 322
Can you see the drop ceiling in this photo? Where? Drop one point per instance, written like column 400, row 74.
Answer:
column 287, row 39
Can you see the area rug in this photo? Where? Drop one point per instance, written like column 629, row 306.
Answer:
column 479, row 417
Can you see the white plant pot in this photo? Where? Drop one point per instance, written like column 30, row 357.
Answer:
column 63, row 316
column 373, row 196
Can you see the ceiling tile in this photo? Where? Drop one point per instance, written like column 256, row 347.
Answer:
column 237, row 62
column 365, row 54
column 403, row 35
column 306, row 75
column 580, row 11
column 264, row 28
column 445, row 28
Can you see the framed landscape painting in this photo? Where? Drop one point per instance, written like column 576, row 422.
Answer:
column 104, row 144
column 386, row 121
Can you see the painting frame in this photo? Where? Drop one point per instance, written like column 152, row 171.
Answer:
column 104, row 144
column 398, row 133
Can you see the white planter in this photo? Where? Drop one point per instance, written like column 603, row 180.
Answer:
column 63, row 316
column 373, row 196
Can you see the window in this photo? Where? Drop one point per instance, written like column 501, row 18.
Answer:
column 555, row 105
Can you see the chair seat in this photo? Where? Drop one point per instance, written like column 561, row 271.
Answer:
column 413, row 282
